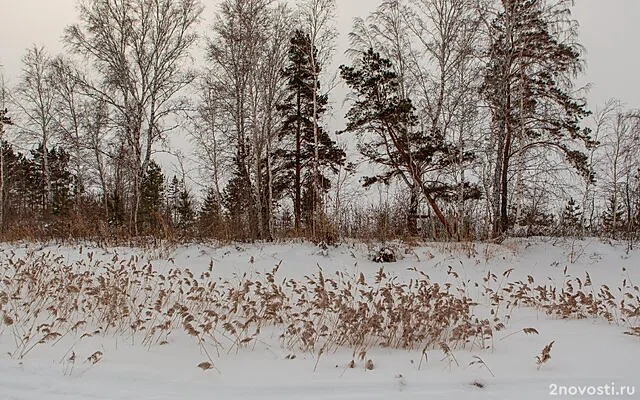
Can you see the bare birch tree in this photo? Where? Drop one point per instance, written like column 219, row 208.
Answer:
column 620, row 165
column 239, row 34
column 96, row 127
column 448, row 75
column 600, row 121
column 270, row 90
column 244, row 86
column 68, row 115
column 35, row 99
column 140, row 52
column 208, row 133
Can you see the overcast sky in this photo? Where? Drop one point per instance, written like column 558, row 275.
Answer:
column 609, row 31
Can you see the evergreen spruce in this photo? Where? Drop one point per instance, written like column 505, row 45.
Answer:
column 613, row 217
column 62, row 182
column 62, row 188
column 210, row 218
column 173, row 195
column 15, row 184
column 152, row 199
column 571, row 218
column 4, row 120
column 184, row 209
column 239, row 205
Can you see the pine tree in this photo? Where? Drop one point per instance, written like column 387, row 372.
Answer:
column 62, row 182
column 298, row 129
column 15, row 183
column 533, row 58
column 537, row 221
column 394, row 139
column 571, row 218
column 309, row 199
column 23, row 186
column 4, row 120
column 152, row 198
column 210, row 218
column 613, row 217
column 184, row 208
column 37, row 187
column 173, row 196
column 238, row 202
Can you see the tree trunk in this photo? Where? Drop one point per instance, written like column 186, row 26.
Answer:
column 504, row 181
column 315, row 206
column 1, row 180
column 412, row 217
column 47, row 176
column 297, row 202
column 269, row 214
column 461, row 203
column 103, row 185
column 136, row 202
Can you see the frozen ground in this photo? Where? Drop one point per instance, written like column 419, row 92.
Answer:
column 587, row 355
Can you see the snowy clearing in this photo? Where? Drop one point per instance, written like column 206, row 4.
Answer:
column 125, row 362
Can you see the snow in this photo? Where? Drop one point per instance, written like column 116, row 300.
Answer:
column 587, row 353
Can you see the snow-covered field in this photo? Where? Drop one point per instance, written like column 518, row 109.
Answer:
column 588, row 353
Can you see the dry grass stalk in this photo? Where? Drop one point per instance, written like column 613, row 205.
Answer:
column 545, row 355
column 526, row 331
column 479, row 361
column 95, row 357
column 633, row 331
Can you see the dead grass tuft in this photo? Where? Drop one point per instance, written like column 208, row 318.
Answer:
column 545, row 355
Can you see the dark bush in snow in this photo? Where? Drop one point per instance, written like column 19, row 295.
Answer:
column 385, row 255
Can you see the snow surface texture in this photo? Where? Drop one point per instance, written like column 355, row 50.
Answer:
column 587, row 353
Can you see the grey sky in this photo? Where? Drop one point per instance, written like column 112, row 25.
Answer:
column 609, row 31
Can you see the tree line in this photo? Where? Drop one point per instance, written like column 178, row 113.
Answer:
column 463, row 115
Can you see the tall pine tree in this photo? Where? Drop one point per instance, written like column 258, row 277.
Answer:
column 297, row 153
column 533, row 59
column 4, row 120
column 63, row 186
